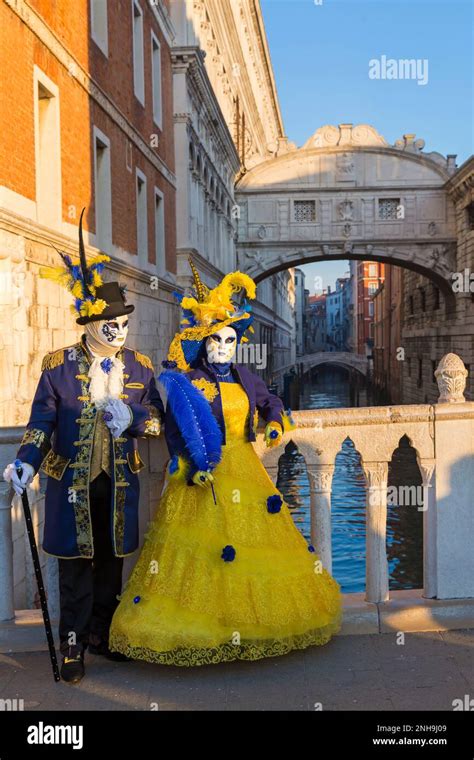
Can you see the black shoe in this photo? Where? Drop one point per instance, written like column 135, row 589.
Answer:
column 72, row 669
column 103, row 650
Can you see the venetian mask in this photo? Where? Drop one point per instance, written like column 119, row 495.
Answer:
column 110, row 333
column 221, row 345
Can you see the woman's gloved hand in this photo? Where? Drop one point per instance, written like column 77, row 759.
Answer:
column 273, row 434
column 10, row 474
column 202, row 478
column 117, row 416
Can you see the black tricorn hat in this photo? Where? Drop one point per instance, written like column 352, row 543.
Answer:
column 113, row 294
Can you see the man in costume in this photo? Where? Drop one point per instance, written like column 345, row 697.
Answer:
column 93, row 400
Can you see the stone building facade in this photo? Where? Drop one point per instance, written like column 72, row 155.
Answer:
column 432, row 326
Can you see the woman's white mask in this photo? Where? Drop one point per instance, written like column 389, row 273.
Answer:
column 221, row 345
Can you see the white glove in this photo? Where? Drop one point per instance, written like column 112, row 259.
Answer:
column 10, row 474
column 117, row 416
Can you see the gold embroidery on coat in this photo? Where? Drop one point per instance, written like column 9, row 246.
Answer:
column 38, row 438
column 54, row 465
column 53, row 359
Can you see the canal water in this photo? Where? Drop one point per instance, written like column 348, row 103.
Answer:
column 404, row 526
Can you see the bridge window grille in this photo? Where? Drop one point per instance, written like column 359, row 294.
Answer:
column 436, row 294
column 388, row 208
column 304, row 211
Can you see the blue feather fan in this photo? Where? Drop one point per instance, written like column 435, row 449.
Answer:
column 197, row 424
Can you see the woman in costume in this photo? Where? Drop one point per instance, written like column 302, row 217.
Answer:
column 224, row 573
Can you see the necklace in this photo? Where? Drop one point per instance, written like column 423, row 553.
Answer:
column 221, row 374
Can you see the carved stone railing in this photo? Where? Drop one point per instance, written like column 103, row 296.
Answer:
column 443, row 438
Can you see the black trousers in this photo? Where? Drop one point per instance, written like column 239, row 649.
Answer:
column 88, row 588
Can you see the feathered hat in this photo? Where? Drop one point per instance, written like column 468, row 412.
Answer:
column 207, row 311
column 93, row 298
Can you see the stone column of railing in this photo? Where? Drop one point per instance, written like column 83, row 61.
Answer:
column 320, row 484
column 376, row 474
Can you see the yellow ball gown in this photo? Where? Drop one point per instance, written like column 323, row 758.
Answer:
column 184, row 604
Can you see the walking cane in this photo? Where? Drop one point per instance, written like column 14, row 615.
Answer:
column 39, row 576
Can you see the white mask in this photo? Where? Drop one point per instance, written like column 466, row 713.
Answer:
column 221, row 345
column 106, row 336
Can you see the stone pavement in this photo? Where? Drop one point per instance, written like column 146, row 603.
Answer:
column 352, row 672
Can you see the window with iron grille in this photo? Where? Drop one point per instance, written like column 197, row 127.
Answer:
column 388, row 208
column 304, row 211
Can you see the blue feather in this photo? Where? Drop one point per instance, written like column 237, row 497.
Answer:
column 196, row 422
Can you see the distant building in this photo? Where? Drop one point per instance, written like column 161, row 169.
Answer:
column 316, row 330
column 337, row 315
column 369, row 275
column 300, row 315
column 387, row 350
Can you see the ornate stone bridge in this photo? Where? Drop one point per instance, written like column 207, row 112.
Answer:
column 348, row 194
column 340, row 358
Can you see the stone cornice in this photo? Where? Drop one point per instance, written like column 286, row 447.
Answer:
column 461, row 184
column 48, row 38
column 383, row 415
column 261, row 39
column 45, row 236
column 228, row 18
column 304, row 154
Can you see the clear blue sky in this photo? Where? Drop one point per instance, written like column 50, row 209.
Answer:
column 320, row 55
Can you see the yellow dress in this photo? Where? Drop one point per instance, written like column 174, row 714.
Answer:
column 184, row 604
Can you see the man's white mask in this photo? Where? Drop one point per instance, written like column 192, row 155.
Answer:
column 221, row 345
column 106, row 336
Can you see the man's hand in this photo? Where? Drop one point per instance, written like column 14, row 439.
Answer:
column 273, row 434
column 202, row 478
column 10, row 474
column 117, row 416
